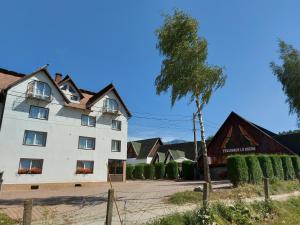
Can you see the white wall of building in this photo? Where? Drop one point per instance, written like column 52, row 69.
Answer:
column 63, row 129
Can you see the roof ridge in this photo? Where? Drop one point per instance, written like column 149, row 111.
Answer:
column 11, row 72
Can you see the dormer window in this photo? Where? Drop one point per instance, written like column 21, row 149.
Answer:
column 70, row 92
column 111, row 106
column 38, row 89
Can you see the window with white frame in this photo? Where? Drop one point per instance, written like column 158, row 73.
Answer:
column 111, row 105
column 89, row 121
column 116, row 124
column 84, row 167
column 86, row 143
column 39, row 88
column 70, row 92
column 116, row 146
column 37, row 112
column 36, row 138
column 30, row 166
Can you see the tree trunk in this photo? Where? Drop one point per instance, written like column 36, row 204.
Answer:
column 195, row 137
column 204, row 148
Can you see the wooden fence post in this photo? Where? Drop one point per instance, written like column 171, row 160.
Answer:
column 27, row 212
column 267, row 189
column 109, row 209
column 205, row 194
column 299, row 176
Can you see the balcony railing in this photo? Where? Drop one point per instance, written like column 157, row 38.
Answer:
column 39, row 90
column 107, row 110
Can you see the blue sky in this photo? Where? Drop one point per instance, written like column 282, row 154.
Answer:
column 99, row 42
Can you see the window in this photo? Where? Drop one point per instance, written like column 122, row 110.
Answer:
column 38, row 112
column 115, row 166
column 115, row 146
column 35, row 138
column 74, row 98
column 70, row 92
column 84, row 167
column 116, row 124
column 89, row 121
column 40, row 90
column 86, row 143
column 30, row 166
column 111, row 105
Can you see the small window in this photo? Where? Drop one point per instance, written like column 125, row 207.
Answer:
column 116, row 124
column 42, row 89
column 36, row 138
column 86, row 143
column 111, row 104
column 84, row 167
column 30, row 166
column 89, row 121
column 74, row 98
column 38, row 112
column 116, row 146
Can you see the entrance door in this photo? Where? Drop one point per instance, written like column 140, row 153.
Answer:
column 116, row 170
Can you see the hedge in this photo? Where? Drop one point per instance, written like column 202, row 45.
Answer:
column 187, row 170
column 129, row 171
column 172, row 170
column 149, row 171
column 289, row 173
column 237, row 169
column 296, row 164
column 266, row 166
column 159, row 170
column 254, row 170
column 138, row 172
column 277, row 166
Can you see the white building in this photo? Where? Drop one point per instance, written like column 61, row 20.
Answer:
column 53, row 133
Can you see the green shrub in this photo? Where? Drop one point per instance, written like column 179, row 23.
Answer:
column 172, row 170
column 255, row 172
column 129, row 171
column 138, row 172
column 266, row 166
column 289, row 173
column 159, row 170
column 188, row 170
column 237, row 169
column 149, row 171
column 277, row 166
column 296, row 164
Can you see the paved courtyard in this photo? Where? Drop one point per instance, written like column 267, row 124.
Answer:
column 137, row 202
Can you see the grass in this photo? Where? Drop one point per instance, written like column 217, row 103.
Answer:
column 245, row 191
column 258, row 213
column 5, row 220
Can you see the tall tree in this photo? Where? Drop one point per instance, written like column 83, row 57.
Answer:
column 289, row 75
column 185, row 69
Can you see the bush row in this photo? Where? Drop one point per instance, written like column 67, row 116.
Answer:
column 160, row 171
column 252, row 168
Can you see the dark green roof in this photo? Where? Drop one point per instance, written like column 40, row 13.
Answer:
column 143, row 147
column 176, row 154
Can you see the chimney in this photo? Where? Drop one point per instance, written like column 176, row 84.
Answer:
column 58, row 77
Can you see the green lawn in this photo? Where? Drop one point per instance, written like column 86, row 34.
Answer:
column 245, row 191
column 258, row 213
column 5, row 220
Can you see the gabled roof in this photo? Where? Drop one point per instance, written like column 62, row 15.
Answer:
column 143, row 147
column 186, row 147
column 176, row 154
column 102, row 92
column 69, row 79
column 22, row 78
column 292, row 141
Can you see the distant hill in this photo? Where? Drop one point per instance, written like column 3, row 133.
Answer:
column 176, row 141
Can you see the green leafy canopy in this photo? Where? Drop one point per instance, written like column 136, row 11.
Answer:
column 289, row 75
column 184, row 68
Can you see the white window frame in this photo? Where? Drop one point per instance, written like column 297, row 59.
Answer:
column 39, row 113
column 89, row 118
column 45, row 86
column 109, row 106
column 115, row 144
column 86, row 139
column 35, row 138
column 118, row 124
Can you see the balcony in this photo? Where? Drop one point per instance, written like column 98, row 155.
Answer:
column 39, row 90
column 107, row 110
column 111, row 106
